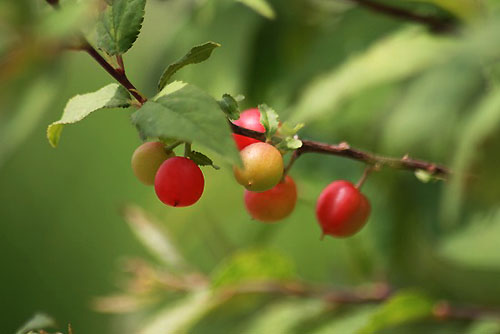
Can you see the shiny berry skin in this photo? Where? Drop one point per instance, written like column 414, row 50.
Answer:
column 274, row 204
column 179, row 182
column 341, row 209
column 249, row 119
column 146, row 160
column 262, row 167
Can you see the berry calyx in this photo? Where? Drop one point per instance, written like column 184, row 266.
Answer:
column 262, row 167
column 274, row 204
column 249, row 119
column 146, row 160
column 179, row 182
column 341, row 209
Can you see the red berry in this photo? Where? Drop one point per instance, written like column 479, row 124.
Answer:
column 249, row 119
column 274, row 204
column 179, row 182
column 341, row 209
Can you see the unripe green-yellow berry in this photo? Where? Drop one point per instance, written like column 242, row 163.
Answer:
column 146, row 160
column 262, row 167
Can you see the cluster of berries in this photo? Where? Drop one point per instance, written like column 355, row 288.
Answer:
column 270, row 196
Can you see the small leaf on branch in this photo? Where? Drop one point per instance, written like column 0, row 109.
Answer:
column 80, row 106
column 196, row 55
column 119, row 25
column 423, row 175
column 229, row 106
column 188, row 114
column 286, row 129
column 289, row 144
column 201, row 159
column 269, row 119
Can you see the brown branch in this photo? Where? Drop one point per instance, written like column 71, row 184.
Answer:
column 435, row 24
column 344, row 150
column 117, row 74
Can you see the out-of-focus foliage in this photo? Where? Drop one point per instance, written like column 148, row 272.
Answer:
column 379, row 83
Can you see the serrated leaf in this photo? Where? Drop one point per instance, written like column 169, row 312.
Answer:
column 404, row 307
column 196, row 55
column 286, row 129
column 201, row 159
column 396, row 57
column 191, row 115
column 262, row 7
column 39, row 321
column 80, row 106
column 251, row 266
column 229, row 105
column 119, row 25
column 269, row 119
column 289, row 144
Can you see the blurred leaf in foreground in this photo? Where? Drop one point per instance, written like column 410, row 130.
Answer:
column 253, row 266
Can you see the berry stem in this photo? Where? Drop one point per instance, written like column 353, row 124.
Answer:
column 366, row 172
column 187, row 149
column 171, row 147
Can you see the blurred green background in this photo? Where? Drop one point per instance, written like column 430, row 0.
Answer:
column 379, row 83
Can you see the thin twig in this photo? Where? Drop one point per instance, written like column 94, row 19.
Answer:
column 345, row 150
column 117, row 75
column 435, row 24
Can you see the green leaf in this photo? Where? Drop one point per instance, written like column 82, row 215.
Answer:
column 402, row 308
column 201, row 159
column 269, row 119
column 262, row 7
column 39, row 321
column 286, row 129
column 178, row 318
column 484, row 326
column 423, row 176
column 282, row 317
column 396, row 57
column 119, row 25
column 253, row 265
column 348, row 323
column 191, row 115
column 35, row 101
column 475, row 246
column 196, row 55
column 476, row 128
column 80, row 106
column 156, row 240
column 289, row 144
column 230, row 107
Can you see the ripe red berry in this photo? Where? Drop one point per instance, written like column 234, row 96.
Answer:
column 274, row 204
column 262, row 167
column 179, row 182
column 146, row 160
column 341, row 209
column 249, row 119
